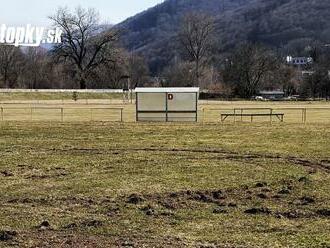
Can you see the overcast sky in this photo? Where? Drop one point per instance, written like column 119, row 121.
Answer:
column 35, row 12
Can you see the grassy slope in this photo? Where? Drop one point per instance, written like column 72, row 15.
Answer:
column 84, row 173
column 4, row 96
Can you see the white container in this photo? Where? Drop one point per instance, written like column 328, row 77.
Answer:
column 167, row 104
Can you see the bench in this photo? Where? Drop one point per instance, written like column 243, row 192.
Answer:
column 279, row 116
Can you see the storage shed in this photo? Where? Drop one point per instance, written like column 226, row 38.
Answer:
column 167, row 104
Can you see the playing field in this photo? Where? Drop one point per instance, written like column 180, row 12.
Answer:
column 115, row 110
column 126, row 184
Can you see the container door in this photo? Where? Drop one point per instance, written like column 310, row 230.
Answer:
column 182, row 107
column 151, row 106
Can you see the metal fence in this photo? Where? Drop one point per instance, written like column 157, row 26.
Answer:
column 66, row 97
column 290, row 115
column 205, row 114
column 4, row 90
column 60, row 114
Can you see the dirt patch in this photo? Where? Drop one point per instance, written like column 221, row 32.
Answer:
column 85, row 201
column 112, row 211
column 305, row 200
column 71, row 226
column 135, row 199
column 262, row 196
column 44, row 225
column 219, row 195
column 149, row 210
column 171, row 204
column 284, row 191
column 7, row 235
column 220, row 210
column 47, row 176
column 42, row 201
column 203, row 197
column 293, row 214
column 224, row 200
column 175, row 200
column 128, row 243
column 91, row 223
column 323, row 212
column 232, row 205
column 6, row 173
column 63, row 239
column 261, row 184
column 258, row 210
column 303, row 180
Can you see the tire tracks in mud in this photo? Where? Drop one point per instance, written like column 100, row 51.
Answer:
column 323, row 165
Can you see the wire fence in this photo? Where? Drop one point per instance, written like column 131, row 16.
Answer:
column 206, row 114
column 61, row 114
column 287, row 115
column 65, row 97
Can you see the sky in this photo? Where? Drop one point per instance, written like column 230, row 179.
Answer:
column 35, row 12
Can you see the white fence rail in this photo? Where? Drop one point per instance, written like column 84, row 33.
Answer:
column 61, row 90
column 61, row 114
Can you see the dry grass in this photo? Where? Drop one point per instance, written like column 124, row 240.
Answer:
column 61, row 96
column 318, row 112
column 154, row 185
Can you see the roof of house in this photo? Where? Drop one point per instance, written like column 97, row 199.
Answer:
column 274, row 92
column 168, row 90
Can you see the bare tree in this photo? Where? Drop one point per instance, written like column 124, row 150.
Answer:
column 34, row 68
column 112, row 74
column 196, row 38
column 138, row 70
column 247, row 67
column 85, row 43
column 179, row 74
column 10, row 60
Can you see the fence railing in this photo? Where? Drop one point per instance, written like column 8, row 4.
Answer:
column 206, row 115
column 61, row 114
column 6, row 90
column 290, row 115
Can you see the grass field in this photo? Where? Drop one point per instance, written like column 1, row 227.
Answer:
column 45, row 96
column 107, row 183
column 101, row 184
column 108, row 110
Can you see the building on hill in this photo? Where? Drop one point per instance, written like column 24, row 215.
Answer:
column 272, row 94
column 299, row 61
column 307, row 73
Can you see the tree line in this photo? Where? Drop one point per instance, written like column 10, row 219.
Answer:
column 246, row 69
column 91, row 56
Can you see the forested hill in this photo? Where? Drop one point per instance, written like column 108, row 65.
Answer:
column 289, row 25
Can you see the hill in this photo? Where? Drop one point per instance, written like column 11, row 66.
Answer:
column 289, row 25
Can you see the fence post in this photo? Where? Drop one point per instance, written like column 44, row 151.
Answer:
column 305, row 116
column 121, row 115
column 62, row 115
column 2, row 114
column 234, row 116
column 271, row 116
column 203, row 111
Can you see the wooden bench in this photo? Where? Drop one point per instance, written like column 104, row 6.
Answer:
column 279, row 116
